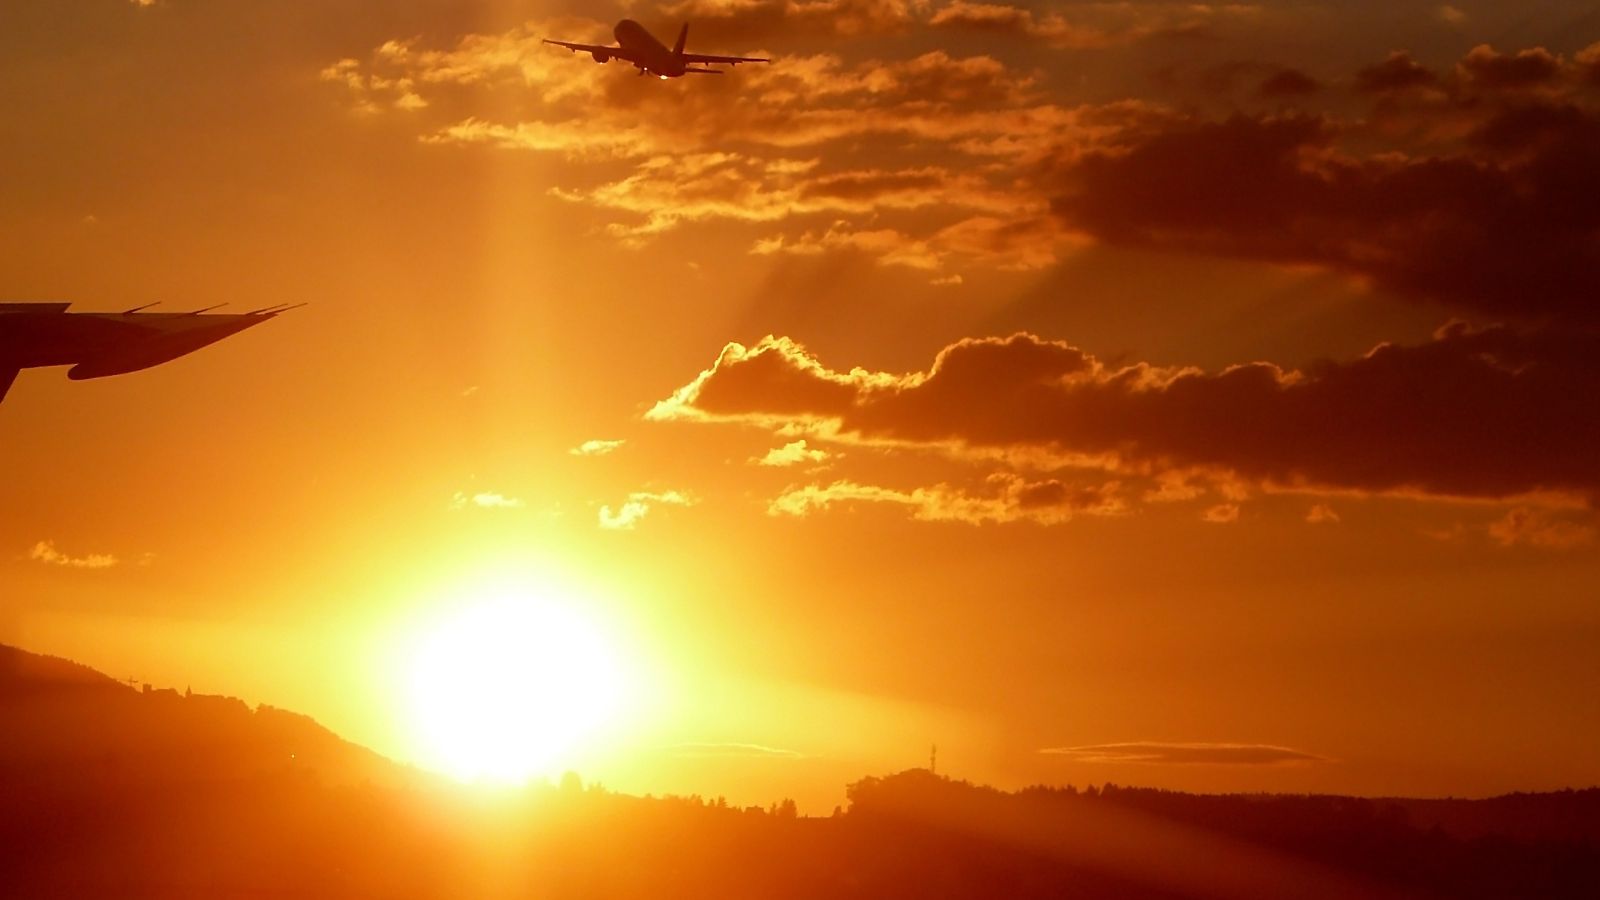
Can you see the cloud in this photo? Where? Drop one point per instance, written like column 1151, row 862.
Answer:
column 46, row 552
column 766, row 19
column 596, row 447
column 485, row 500
column 1009, row 498
column 638, row 504
column 1485, row 69
column 1088, row 26
column 1187, row 754
column 791, row 454
column 799, row 139
column 1540, row 528
column 1014, row 244
column 1459, row 185
column 1494, row 227
column 1000, row 18
column 1222, row 514
column 1322, row 514
column 1288, row 83
column 1489, row 413
column 1399, row 72
column 725, row 750
column 1588, row 61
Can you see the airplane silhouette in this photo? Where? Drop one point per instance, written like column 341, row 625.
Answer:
column 99, row 344
column 650, row 56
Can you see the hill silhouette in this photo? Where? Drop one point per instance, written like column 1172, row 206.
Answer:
column 110, row 791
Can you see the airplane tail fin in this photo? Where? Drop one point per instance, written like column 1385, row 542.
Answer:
column 683, row 38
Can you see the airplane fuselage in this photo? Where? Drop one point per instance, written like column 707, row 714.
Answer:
column 640, row 49
column 656, row 58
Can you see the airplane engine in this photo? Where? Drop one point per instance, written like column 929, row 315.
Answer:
column 602, row 57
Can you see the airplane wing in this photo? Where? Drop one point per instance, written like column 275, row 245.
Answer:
column 599, row 52
column 8, row 374
column 730, row 60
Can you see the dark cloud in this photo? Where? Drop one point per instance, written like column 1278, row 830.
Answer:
column 1485, row 69
column 1491, row 413
column 1187, row 754
column 1505, row 227
column 1397, row 73
column 1589, row 64
column 1288, row 83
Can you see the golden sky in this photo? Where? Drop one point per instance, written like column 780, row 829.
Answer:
column 1166, row 393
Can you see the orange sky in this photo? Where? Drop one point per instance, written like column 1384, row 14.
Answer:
column 1189, row 505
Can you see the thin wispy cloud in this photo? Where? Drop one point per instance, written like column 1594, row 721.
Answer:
column 1187, row 754
column 1002, row 498
column 1545, row 529
column 597, row 447
column 485, row 500
column 721, row 750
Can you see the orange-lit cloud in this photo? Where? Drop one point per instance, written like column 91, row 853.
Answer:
column 1008, row 498
column 1540, row 528
column 1188, row 754
column 485, row 500
column 793, row 453
column 46, row 552
column 773, row 150
column 1490, row 413
column 597, row 447
column 762, row 19
column 638, row 504
column 665, row 191
column 1322, row 514
column 1085, row 26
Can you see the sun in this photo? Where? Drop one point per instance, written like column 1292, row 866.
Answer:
column 507, row 684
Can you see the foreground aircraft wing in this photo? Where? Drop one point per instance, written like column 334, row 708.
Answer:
column 730, row 60
column 8, row 374
column 597, row 50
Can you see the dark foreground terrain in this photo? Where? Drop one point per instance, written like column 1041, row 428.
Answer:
column 111, row 792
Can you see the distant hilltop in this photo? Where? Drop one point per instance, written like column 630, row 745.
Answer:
column 64, row 720
column 107, row 791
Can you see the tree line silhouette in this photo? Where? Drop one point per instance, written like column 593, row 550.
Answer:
column 107, row 791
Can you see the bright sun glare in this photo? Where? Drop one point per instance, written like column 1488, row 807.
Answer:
column 503, row 687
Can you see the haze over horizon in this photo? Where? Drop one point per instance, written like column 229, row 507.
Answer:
column 1195, row 396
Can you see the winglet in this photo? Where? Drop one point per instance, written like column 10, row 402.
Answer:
column 683, row 38
column 8, row 374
